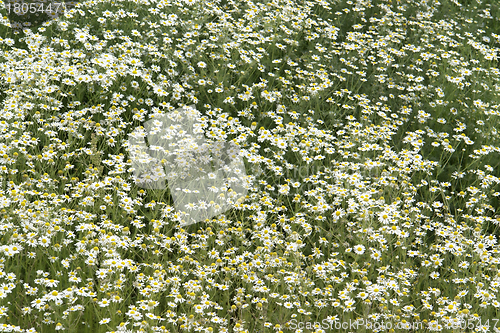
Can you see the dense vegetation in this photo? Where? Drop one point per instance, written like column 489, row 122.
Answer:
column 369, row 135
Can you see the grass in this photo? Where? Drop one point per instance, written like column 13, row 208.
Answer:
column 369, row 134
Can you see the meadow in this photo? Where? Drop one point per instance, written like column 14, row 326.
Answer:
column 368, row 131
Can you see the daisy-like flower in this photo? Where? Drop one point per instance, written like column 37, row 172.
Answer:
column 103, row 303
column 339, row 213
column 376, row 255
column 359, row 249
column 104, row 321
column 384, row 217
column 375, row 290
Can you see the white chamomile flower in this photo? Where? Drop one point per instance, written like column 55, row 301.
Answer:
column 359, row 249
